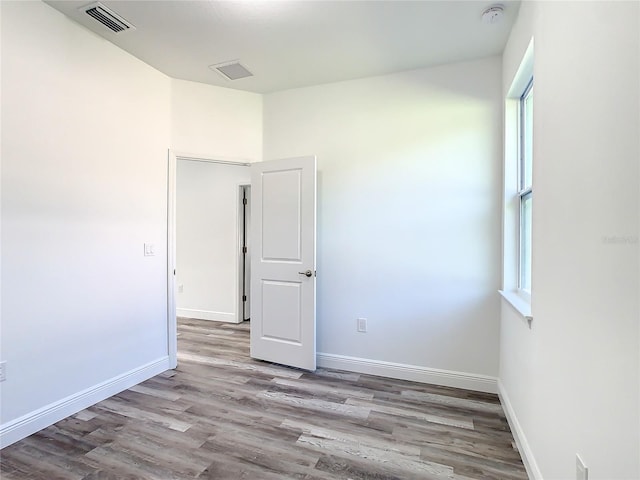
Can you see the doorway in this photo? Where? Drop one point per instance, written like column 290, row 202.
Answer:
column 208, row 239
column 283, row 282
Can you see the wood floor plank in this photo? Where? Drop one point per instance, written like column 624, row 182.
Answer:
column 446, row 400
column 222, row 415
column 382, row 443
column 315, row 389
column 412, row 413
column 316, row 405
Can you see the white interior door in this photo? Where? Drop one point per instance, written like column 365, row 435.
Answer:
column 283, row 263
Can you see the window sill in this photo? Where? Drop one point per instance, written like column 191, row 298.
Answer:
column 520, row 305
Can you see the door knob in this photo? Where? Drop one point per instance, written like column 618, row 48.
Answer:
column 308, row 273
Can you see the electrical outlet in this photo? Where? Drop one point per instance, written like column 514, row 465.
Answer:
column 362, row 325
column 3, row 371
column 582, row 472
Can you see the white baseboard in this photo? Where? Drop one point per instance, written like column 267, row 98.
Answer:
column 207, row 315
column 526, row 453
column 448, row 378
column 35, row 421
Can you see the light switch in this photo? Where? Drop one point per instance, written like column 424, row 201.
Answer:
column 149, row 249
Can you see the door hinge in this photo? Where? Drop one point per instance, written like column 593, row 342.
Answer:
column 244, row 298
column 244, row 201
column 244, row 249
column 174, row 271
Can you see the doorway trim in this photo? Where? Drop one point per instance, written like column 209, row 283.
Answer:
column 172, row 165
column 244, row 265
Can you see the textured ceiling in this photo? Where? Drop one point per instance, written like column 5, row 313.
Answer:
column 289, row 44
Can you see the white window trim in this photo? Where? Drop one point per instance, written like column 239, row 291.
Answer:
column 521, row 304
column 523, row 190
column 512, row 295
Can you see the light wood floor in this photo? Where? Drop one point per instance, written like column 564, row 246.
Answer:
column 221, row 415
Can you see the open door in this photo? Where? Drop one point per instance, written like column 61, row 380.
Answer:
column 283, row 263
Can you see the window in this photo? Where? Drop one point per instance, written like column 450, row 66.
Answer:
column 518, row 188
column 525, row 186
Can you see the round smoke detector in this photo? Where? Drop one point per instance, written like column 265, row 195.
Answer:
column 493, row 14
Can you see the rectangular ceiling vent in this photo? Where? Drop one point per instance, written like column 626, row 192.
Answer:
column 108, row 18
column 231, row 70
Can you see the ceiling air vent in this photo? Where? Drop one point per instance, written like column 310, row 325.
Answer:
column 231, row 70
column 108, row 18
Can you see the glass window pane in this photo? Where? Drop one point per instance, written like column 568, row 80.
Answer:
column 525, row 241
column 527, row 139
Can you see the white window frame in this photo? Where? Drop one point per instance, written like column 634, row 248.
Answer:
column 515, row 193
column 525, row 191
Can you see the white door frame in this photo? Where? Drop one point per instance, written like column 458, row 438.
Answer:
column 244, row 237
column 172, row 165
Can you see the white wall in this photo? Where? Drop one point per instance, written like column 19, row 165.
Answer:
column 572, row 380
column 210, row 121
column 85, row 132
column 208, row 240
column 409, row 212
